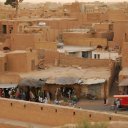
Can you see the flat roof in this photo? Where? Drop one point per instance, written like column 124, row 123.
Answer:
column 75, row 49
column 104, row 51
column 36, row 19
column 8, row 85
column 2, row 54
column 124, row 71
column 17, row 51
column 77, row 72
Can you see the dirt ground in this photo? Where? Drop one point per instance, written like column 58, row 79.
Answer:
column 98, row 105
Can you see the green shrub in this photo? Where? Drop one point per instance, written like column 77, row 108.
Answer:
column 86, row 124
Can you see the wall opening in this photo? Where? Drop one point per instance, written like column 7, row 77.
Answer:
column 11, row 104
column 55, row 110
column 33, row 65
column 5, row 67
column 74, row 113
column 4, row 29
column 41, row 108
column 24, row 105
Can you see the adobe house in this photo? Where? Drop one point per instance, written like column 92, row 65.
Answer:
column 123, row 75
column 117, row 14
column 77, row 51
column 13, row 26
column 96, row 81
column 3, row 62
column 9, row 80
column 105, row 26
column 105, row 54
column 83, row 38
column 22, row 61
column 120, row 28
column 64, row 84
column 73, row 7
column 24, row 41
column 93, row 86
column 8, row 26
column 32, row 40
column 97, row 87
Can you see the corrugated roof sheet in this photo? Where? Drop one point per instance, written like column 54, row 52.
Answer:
column 74, row 80
column 63, row 80
column 31, row 82
column 8, row 85
column 92, row 81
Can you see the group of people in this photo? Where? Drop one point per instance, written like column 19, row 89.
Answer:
column 40, row 95
column 65, row 94
column 26, row 93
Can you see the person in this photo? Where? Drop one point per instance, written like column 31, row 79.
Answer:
column 18, row 94
column 48, row 96
column 105, row 100
column 116, row 104
column 56, row 101
column 69, row 94
column 11, row 93
column 74, row 100
column 45, row 100
column 1, row 92
column 40, row 96
column 32, row 96
column 57, row 93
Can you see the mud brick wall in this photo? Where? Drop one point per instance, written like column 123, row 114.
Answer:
column 48, row 114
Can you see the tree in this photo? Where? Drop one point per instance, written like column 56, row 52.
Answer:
column 14, row 4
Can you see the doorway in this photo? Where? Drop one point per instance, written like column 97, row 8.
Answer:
column 4, row 29
column 33, row 65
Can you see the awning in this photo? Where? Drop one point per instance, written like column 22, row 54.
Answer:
column 63, row 80
column 123, row 82
column 8, row 85
column 91, row 81
column 67, row 80
column 31, row 82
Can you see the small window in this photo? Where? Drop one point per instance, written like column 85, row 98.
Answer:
column 97, row 56
column 5, row 67
column 32, row 65
column 4, row 29
column 85, row 54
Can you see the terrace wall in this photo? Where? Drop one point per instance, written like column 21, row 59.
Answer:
column 55, row 58
column 51, row 114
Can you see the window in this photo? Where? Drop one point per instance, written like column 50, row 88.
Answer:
column 85, row 54
column 73, row 53
column 11, row 29
column 4, row 29
column 5, row 67
column 97, row 56
column 33, row 65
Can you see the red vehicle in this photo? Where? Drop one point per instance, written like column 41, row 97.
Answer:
column 123, row 100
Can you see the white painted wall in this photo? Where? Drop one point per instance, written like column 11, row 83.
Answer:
column 105, row 55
